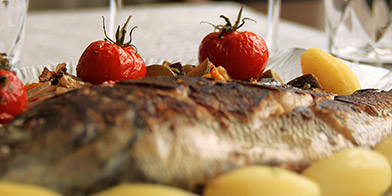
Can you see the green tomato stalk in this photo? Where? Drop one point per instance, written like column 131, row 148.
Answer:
column 228, row 27
column 120, row 34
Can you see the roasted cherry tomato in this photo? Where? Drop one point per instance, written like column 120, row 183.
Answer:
column 110, row 60
column 13, row 97
column 243, row 54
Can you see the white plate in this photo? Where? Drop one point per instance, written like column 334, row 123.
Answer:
column 286, row 63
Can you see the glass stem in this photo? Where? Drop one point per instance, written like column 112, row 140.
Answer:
column 273, row 21
column 115, row 15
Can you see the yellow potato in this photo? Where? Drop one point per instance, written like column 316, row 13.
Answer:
column 351, row 172
column 333, row 75
column 385, row 148
column 16, row 189
column 143, row 190
column 261, row 181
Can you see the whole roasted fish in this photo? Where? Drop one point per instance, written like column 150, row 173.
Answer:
column 182, row 131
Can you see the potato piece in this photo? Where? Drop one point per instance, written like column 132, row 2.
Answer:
column 333, row 75
column 143, row 190
column 385, row 148
column 351, row 172
column 261, row 180
column 16, row 189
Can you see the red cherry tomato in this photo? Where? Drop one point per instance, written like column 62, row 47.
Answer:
column 110, row 60
column 103, row 61
column 13, row 97
column 243, row 54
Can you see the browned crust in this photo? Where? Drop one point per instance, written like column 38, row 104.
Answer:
column 87, row 129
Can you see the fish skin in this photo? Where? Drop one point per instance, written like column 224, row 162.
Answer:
column 361, row 117
column 182, row 131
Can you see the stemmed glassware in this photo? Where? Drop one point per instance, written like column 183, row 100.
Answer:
column 273, row 21
column 115, row 14
column 272, row 29
column 12, row 21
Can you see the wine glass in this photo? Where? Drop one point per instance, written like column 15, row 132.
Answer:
column 115, row 15
column 273, row 21
column 13, row 15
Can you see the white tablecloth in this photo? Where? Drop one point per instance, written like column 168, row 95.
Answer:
column 166, row 31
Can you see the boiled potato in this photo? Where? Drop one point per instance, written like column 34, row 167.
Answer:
column 16, row 189
column 385, row 148
column 351, row 172
column 143, row 190
column 333, row 75
column 260, row 181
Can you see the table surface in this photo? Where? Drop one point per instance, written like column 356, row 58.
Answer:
column 169, row 32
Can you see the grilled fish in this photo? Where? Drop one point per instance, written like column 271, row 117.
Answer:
column 182, row 131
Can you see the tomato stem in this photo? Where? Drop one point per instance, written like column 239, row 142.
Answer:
column 4, row 63
column 228, row 27
column 120, row 34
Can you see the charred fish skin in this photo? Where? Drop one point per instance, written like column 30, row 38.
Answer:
column 180, row 131
column 367, row 116
column 66, row 145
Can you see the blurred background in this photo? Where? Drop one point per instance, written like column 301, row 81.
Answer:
column 306, row 12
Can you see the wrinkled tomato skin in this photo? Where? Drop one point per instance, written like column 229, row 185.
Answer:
column 13, row 97
column 243, row 54
column 102, row 61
